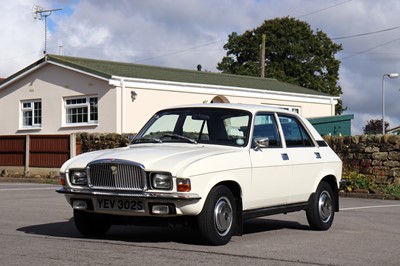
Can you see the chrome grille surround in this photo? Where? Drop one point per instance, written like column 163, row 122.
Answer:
column 115, row 174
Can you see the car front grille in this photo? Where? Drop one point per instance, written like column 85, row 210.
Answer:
column 116, row 174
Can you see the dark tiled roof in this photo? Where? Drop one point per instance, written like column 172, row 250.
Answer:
column 107, row 69
column 110, row 68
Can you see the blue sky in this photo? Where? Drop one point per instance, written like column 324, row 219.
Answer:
column 65, row 12
column 185, row 33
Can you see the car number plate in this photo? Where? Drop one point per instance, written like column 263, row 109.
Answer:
column 120, row 204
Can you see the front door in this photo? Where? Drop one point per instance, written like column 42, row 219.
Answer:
column 271, row 166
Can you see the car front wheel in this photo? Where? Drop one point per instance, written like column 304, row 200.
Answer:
column 321, row 209
column 217, row 220
column 91, row 224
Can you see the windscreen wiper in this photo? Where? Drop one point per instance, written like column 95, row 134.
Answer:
column 180, row 137
column 146, row 140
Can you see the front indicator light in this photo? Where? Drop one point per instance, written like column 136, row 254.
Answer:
column 183, row 184
column 62, row 179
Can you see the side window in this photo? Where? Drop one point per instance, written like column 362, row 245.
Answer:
column 294, row 132
column 265, row 127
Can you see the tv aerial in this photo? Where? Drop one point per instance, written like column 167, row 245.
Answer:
column 39, row 13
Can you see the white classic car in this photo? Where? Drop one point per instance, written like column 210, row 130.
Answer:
column 209, row 165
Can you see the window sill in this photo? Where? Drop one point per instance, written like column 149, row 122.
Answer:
column 29, row 129
column 79, row 125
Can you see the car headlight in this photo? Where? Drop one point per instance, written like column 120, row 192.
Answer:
column 78, row 178
column 161, row 181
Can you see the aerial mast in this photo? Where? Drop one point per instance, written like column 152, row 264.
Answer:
column 39, row 14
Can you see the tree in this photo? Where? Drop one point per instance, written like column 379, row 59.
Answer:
column 294, row 54
column 374, row 126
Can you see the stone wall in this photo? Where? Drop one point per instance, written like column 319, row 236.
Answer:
column 375, row 155
column 99, row 141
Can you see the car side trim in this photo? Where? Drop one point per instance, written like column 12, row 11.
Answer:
column 145, row 195
column 250, row 214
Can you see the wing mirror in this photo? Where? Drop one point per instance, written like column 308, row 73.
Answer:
column 261, row 143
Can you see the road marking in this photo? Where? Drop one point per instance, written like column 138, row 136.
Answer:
column 370, row 207
column 22, row 189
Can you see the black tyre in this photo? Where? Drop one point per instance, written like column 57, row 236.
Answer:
column 91, row 224
column 321, row 208
column 217, row 220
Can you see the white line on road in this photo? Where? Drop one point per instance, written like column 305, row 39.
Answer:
column 370, row 207
column 22, row 189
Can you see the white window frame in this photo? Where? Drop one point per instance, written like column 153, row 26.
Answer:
column 34, row 113
column 294, row 109
column 86, row 104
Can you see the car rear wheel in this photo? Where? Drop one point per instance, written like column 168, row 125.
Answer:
column 321, row 209
column 91, row 224
column 217, row 220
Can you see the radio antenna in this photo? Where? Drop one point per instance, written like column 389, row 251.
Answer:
column 39, row 13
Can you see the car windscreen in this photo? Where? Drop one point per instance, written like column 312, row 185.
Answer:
column 198, row 125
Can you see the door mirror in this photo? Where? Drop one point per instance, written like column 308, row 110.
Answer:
column 261, row 143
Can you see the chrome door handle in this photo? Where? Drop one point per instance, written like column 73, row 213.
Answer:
column 285, row 157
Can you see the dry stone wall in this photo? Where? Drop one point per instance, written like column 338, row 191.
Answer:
column 86, row 142
column 375, row 155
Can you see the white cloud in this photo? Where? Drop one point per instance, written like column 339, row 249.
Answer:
column 182, row 34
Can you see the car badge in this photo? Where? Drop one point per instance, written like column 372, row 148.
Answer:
column 113, row 169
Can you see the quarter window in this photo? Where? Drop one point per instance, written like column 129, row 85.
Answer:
column 31, row 113
column 81, row 110
column 294, row 132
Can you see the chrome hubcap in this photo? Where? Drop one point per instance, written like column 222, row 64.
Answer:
column 325, row 207
column 223, row 215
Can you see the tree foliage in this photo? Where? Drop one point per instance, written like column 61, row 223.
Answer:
column 294, row 53
column 374, row 126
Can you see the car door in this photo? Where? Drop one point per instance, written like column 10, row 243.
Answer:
column 306, row 158
column 271, row 169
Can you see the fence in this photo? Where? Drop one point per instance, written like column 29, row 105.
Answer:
column 36, row 151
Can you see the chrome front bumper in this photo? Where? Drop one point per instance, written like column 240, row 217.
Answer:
column 122, row 194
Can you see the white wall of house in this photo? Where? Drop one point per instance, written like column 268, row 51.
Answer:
column 154, row 95
column 52, row 84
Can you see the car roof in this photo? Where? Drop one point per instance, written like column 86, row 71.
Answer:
column 253, row 108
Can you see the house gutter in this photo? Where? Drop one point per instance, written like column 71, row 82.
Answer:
column 208, row 88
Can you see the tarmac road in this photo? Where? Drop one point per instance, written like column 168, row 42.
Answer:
column 36, row 228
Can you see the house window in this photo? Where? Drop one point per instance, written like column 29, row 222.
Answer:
column 294, row 109
column 31, row 113
column 81, row 110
